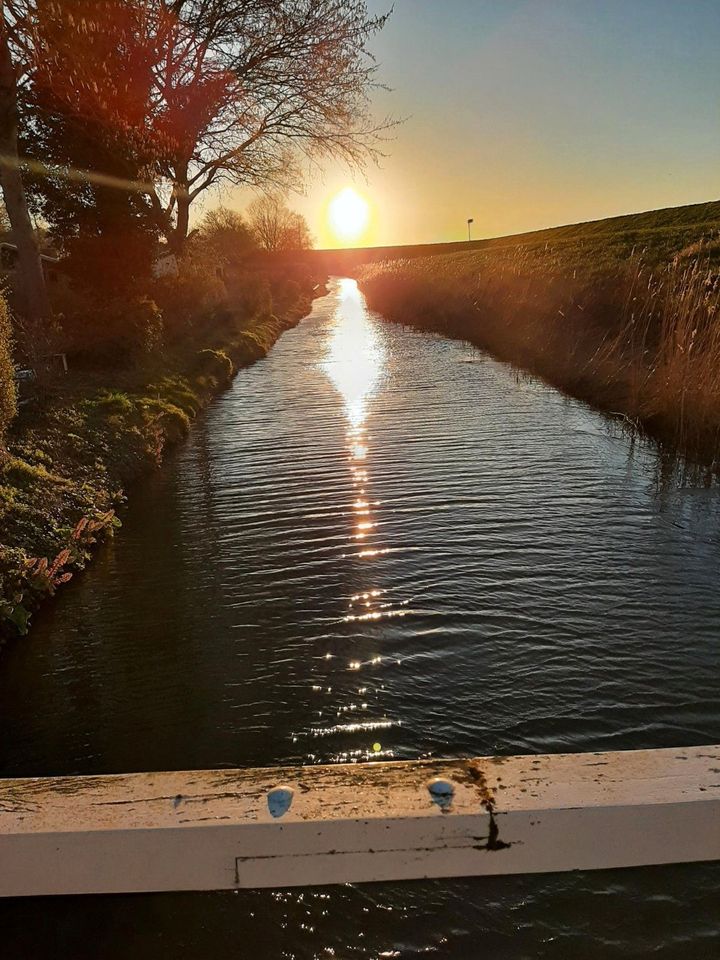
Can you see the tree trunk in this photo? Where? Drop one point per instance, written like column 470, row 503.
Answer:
column 30, row 279
column 182, row 221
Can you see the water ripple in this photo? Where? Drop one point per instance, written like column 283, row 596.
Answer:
column 379, row 543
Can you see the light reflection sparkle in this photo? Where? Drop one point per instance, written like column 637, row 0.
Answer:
column 356, row 358
column 355, row 364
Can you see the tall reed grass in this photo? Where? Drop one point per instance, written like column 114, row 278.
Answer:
column 668, row 353
column 637, row 341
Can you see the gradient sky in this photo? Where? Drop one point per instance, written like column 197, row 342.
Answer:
column 530, row 113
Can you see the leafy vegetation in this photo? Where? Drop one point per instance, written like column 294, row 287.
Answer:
column 8, row 400
column 116, row 116
column 72, row 455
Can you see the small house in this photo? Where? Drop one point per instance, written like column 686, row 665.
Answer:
column 165, row 264
column 9, row 258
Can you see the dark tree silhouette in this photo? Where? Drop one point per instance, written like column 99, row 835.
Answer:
column 31, row 290
column 86, row 127
column 226, row 235
column 134, row 108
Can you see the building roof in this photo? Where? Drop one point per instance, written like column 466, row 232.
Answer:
column 4, row 245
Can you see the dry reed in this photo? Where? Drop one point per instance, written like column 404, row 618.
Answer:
column 639, row 342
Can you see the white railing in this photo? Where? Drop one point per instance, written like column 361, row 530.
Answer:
column 279, row 827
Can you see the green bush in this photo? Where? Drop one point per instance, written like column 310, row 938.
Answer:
column 177, row 391
column 189, row 302
column 144, row 326
column 110, row 402
column 8, row 399
column 112, row 333
column 170, row 422
column 250, row 294
column 214, row 363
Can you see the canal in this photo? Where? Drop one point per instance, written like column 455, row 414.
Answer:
column 379, row 543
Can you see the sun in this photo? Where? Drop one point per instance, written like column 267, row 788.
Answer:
column 348, row 214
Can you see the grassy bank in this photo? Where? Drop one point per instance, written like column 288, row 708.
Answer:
column 621, row 313
column 72, row 454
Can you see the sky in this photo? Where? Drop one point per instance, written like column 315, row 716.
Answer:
column 529, row 113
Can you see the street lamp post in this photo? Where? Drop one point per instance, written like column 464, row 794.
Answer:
column 470, row 222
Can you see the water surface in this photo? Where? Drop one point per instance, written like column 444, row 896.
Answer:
column 381, row 543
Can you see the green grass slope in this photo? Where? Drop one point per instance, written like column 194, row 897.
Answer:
column 659, row 233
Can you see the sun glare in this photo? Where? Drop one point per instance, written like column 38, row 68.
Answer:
column 349, row 214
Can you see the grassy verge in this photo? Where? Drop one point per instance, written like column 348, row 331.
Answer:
column 71, row 456
column 633, row 330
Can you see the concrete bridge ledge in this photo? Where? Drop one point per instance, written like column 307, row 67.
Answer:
column 301, row 826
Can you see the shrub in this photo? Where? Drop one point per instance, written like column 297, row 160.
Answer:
column 23, row 475
column 214, row 363
column 8, row 399
column 250, row 294
column 286, row 292
column 170, row 421
column 145, row 325
column 109, row 333
column 111, row 402
column 190, row 301
column 177, row 391
column 115, row 264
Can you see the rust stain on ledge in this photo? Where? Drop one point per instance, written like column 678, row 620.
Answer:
column 488, row 800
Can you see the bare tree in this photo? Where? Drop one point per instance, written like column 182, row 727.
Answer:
column 276, row 226
column 30, row 286
column 245, row 87
column 297, row 233
column 267, row 216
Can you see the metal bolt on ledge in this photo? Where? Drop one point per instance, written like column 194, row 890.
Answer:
column 279, row 801
column 441, row 792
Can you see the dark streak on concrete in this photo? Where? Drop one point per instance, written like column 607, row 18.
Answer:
column 125, row 803
column 487, row 798
column 201, row 819
column 333, row 853
column 494, row 842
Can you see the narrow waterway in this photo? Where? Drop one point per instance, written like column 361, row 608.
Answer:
column 381, row 543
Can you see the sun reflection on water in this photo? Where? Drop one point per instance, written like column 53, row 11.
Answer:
column 355, row 360
column 356, row 365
